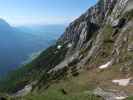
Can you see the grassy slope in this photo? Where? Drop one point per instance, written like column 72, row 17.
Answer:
column 80, row 87
column 76, row 88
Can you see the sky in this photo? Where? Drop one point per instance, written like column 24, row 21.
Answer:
column 29, row 12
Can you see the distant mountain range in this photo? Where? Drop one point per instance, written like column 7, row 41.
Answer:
column 18, row 43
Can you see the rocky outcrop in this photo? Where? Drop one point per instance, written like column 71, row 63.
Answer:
column 27, row 89
column 82, row 29
column 110, row 95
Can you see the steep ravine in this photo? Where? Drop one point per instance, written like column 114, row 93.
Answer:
column 92, row 60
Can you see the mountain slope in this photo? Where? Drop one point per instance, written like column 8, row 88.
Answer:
column 93, row 56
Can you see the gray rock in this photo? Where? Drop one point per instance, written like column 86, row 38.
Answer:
column 110, row 95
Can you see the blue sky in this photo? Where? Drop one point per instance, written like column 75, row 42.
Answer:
column 26, row 12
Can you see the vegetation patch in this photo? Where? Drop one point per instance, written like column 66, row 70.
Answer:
column 129, row 15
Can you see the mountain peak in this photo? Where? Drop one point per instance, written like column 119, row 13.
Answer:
column 4, row 26
column 3, row 22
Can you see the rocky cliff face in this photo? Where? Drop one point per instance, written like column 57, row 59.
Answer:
column 83, row 28
column 88, row 33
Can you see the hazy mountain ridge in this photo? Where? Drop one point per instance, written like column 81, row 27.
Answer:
column 17, row 45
